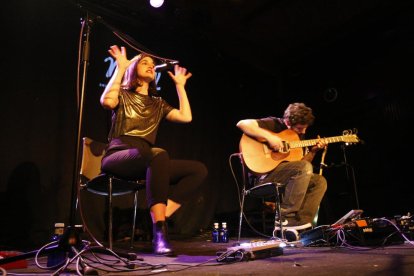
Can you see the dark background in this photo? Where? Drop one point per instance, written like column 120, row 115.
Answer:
column 351, row 61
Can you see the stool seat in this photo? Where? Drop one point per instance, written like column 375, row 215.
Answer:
column 99, row 185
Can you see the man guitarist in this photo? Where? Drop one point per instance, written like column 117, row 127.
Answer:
column 304, row 189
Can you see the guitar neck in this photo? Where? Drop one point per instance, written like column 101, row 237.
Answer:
column 312, row 142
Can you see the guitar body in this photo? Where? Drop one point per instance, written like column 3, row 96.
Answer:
column 260, row 159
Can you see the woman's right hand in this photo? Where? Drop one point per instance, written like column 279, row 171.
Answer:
column 119, row 54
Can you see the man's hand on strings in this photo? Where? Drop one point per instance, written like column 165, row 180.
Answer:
column 320, row 144
column 275, row 143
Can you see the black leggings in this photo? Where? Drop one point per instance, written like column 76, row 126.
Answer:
column 154, row 164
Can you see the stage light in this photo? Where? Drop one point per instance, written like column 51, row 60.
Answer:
column 156, row 3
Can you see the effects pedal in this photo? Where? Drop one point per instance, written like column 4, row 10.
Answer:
column 318, row 236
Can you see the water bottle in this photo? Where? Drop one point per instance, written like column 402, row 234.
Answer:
column 215, row 233
column 57, row 255
column 224, row 234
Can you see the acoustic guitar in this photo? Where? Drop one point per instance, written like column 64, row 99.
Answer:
column 260, row 159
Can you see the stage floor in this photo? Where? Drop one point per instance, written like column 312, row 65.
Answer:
column 199, row 256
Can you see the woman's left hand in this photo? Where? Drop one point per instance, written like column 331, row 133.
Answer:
column 181, row 75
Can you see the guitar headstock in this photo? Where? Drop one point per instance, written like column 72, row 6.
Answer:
column 350, row 136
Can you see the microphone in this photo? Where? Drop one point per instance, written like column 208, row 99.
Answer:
column 168, row 65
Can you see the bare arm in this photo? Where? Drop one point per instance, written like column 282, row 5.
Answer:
column 183, row 113
column 109, row 98
column 251, row 128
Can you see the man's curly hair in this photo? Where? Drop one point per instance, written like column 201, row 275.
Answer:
column 299, row 113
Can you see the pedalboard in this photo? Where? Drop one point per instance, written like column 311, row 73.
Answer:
column 379, row 231
column 257, row 245
column 254, row 250
column 362, row 232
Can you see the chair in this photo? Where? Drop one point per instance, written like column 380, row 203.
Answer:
column 94, row 181
column 262, row 191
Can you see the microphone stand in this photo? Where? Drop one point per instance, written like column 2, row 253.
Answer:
column 69, row 242
column 76, row 176
column 350, row 170
column 322, row 166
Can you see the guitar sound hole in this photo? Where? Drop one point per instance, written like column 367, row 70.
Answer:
column 285, row 148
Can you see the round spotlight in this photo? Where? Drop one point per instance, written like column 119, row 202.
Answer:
column 156, row 3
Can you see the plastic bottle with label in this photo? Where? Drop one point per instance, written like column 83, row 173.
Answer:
column 224, row 233
column 57, row 256
column 215, row 236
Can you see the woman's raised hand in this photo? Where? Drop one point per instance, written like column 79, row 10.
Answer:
column 119, row 54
